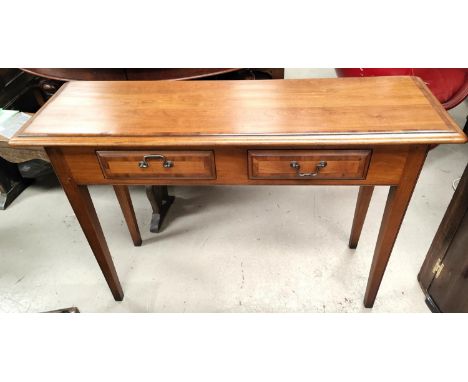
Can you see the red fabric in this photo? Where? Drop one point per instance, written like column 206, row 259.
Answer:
column 446, row 84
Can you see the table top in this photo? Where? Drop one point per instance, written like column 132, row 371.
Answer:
column 356, row 111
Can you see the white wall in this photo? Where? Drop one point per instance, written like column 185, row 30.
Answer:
column 308, row 73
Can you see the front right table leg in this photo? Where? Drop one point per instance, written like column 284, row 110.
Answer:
column 395, row 209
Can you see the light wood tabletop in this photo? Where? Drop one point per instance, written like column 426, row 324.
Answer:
column 377, row 110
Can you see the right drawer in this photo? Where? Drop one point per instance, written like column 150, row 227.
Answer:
column 308, row 164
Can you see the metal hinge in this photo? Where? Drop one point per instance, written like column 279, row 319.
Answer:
column 437, row 270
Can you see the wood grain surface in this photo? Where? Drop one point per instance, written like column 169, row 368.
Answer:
column 375, row 110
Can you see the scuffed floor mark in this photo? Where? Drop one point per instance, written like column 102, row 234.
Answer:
column 345, row 306
column 70, row 221
column 20, row 279
column 202, row 245
column 242, row 273
column 243, row 280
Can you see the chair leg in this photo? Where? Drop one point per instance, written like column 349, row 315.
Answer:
column 362, row 205
column 160, row 201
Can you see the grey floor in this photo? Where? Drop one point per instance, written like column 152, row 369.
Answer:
column 224, row 249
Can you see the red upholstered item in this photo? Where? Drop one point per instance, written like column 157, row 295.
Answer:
column 450, row 86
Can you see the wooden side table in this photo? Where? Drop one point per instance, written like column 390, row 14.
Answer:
column 346, row 131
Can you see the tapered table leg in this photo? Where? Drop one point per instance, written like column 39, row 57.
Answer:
column 160, row 201
column 362, row 205
column 123, row 196
column 83, row 207
column 395, row 209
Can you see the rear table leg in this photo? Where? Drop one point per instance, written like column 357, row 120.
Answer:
column 362, row 205
column 123, row 196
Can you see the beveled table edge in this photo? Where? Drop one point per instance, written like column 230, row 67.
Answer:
column 348, row 139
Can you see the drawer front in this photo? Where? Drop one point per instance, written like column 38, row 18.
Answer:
column 308, row 164
column 157, row 164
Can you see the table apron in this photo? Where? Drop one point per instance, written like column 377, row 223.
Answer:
column 385, row 167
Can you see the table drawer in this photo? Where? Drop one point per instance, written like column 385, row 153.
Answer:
column 157, row 164
column 308, row 164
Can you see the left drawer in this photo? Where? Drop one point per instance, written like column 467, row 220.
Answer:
column 157, row 164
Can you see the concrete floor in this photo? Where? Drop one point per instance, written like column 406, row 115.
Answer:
column 223, row 249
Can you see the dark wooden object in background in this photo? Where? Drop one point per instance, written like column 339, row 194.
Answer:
column 160, row 202
column 73, row 309
column 11, row 183
column 154, row 74
column 444, row 273
column 18, row 91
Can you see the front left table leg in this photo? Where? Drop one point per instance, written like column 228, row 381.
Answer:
column 83, row 207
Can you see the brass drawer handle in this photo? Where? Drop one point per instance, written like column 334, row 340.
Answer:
column 295, row 165
column 166, row 163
